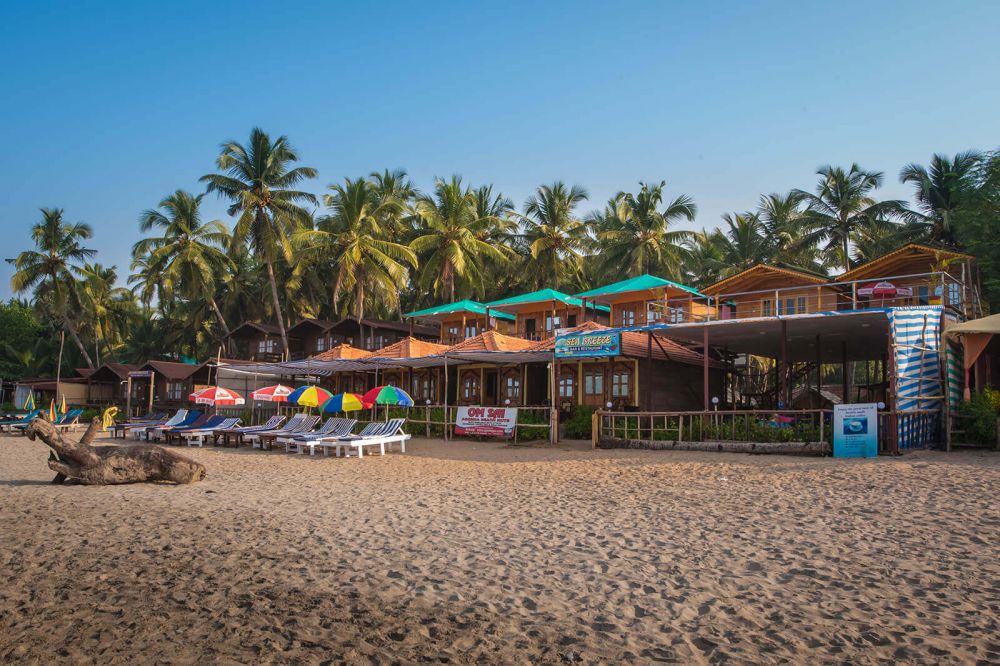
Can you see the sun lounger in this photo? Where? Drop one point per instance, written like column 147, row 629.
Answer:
column 147, row 419
column 264, row 440
column 138, row 429
column 177, row 432
column 379, row 435
column 340, row 428
column 325, row 429
column 24, row 420
column 198, row 437
column 293, row 425
column 273, row 423
column 70, row 420
column 195, row 418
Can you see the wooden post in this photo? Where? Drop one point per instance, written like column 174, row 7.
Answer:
column 579, row 382
column 594, row 425
column 489, row 326
column 554, row 397
column 128, row 398
column 445, row 401
column 463, row 326
column 152, row 386
column 704, row 367
column 784, row 363
column 635, row 393
column 843, row 372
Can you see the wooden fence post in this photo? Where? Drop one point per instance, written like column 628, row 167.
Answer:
column 594, row 425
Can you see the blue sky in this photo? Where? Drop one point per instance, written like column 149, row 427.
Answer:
column 107, row 107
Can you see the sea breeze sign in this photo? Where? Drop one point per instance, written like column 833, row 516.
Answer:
column 593, row 343
column 855, row 430
column 486, row 421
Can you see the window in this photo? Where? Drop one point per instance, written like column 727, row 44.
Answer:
column 424, row 386
column 923, row 295
column 552, row 323
column 621, row 383
column 378, row 342
column 566, row 384
column 321, row 343
column 675, row 315
column 593, row 381
column 265, row 346
column 529, row 329
column 765, row 308
column 789, row 306
column 801, row 304
column 954, row 294
column 470, row 386
column 628, row 318
column 175, row 390
column 512, row 388
column 471, row 330
column 571, row 320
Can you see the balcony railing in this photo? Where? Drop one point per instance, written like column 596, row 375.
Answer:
column 936, row 288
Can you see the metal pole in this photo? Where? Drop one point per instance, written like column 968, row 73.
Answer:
column 704, row 367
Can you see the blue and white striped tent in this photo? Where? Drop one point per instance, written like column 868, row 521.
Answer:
column 916, row 343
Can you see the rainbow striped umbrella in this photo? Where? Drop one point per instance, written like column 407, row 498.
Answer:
column 309, row 396
column 276, row 393
column 387, row 395
column 344, row 402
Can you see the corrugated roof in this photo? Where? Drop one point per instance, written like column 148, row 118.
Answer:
column 340, row 351
column 641, row 283
column 408, row 347
column 466, row 305
column 493, row 342
column 545, row 296
column 635, row 345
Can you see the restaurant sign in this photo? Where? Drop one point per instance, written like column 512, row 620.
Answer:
column 486, row 421
column 586, row 345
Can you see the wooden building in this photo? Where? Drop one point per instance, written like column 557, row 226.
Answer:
column 261, row 342
column 647, row 299
column 485, row 383
column 541, row 313
column 768, row 290
column 463, row 320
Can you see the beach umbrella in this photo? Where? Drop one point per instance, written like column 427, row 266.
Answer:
column 216, row 396
column 276, row 393
column 344, row 402
column 52, row 411
column 387, row 395
column 309, row 396
column 63, row 408
column 29, row 403
column 885, row 290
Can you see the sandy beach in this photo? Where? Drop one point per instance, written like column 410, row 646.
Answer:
column 472, row 552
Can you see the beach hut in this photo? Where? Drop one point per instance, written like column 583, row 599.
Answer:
column 541, row 313
column 464, row 319
column 646, row 299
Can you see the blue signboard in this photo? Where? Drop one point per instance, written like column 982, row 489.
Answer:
column 855, row 430
column 588, row 345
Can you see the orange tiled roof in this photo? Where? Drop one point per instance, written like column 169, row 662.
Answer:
column 492, row 341
column 408, row 348
column 340, row 351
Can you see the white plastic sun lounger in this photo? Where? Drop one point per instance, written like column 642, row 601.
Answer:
column 139, row 428
column 341, row 428
column 198, row 437
column 293, row 424
column 389, row 432
column 324, row 429
column 260, row 438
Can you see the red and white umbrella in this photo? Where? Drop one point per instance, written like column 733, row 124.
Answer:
column 217, row 396
column 884, row 290
column 276, row 393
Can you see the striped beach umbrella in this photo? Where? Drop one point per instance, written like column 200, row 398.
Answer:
column 217, row 396
column 309, row 396
column 344, row 402
column 387, row 395
column 276, row 393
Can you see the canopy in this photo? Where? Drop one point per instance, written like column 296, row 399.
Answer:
column 475, row 307
column 990, row 325
column 543, row 296
column 975, row 335
column 644, row 283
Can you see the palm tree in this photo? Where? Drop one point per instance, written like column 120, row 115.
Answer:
column 785, row 223
column 842, row 207
column 49, row 269
column 704, row 258
column 455, row 241
column 354, row 236
column 555, row 237
column 258, row 179
column 632, row 233
column 744, row 244
column 110, row 309
column 940, row 190
column 396, row 191
column 187, row 257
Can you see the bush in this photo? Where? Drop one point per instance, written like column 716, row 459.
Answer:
column 981, row 417
column 578, row 425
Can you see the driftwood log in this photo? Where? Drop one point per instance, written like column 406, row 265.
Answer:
column 108, row 465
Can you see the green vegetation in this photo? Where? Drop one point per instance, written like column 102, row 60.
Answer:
column 981, row 412
column 379, row 246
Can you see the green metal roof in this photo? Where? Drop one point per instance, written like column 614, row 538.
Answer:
column 545, row 296
column 459, row 306
column 641, row 283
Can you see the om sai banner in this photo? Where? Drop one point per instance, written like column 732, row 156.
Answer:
column 486, row 421
column 588, row 345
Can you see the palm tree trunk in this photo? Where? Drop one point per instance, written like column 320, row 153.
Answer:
column 218, row 315
column 79, row 343
column 277, row 307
